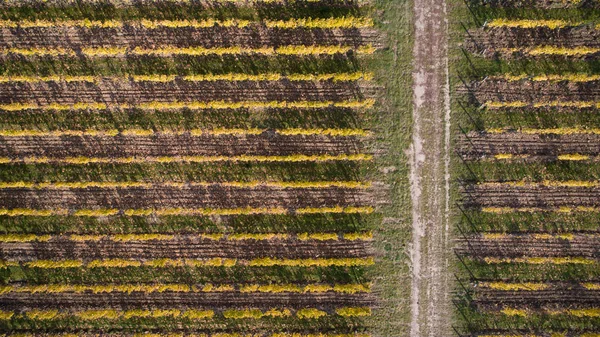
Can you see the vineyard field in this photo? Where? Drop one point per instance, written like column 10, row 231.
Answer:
column 202, row 168
column 527, row 103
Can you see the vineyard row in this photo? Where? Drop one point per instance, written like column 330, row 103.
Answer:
column 565, row 157
column 196, row 105
column 576, row 78
column 562, row 209
column 530, row 24
column 175, row 334
column 168, row 51
column 532, row 286
column 184, row 288
column 587, row 312
column 192, row 132
column 328, row 23
column 308, row 313
column 191, row 159
column 186, row 211
column 553, row 131
column 549, row 104
column 545, row 183
column 542, row 260
column 550, row 51
column 355, row 236
column 215, row 262
column 231, row 77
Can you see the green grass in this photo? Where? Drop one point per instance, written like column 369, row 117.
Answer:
column 515, row 171
column 182, row 65
column 157, row 172
column 523, row 272
column 393, row 69
column 185, row 275
column 216, row 324
column 342, row 223
column 476, row 221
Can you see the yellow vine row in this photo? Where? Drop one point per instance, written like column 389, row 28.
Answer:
column 536, row 236
column 549, row 104
column 231, row 77
column 168, row 51
column 356, row 236
column 547, row 183
column 563, row 209
column 176, row 184
column 184, row 288
column 328, row 23
column 185, row 211
column 216, row 105
column 542, row 260
column 529, row 24
column 192, row 132
column 565, row 157
column 190, row 159
column 584, row 312
column 554, row 131
column 505, row 286
column 552, row 51
column 214, row 262
column 174, row 334
column 577, row 78
column 112, row 314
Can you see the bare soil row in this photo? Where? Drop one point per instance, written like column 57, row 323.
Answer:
column 196, row 301
column 488, row 41
column 476, row 144
column 132, row 36
column 130, row 92
column 176, row 145
column 177, row 249
column 497, row 90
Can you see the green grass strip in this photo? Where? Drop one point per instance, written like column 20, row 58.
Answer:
column 243, row 118
column 187, row 275
column 312, row 223
column 523, row 272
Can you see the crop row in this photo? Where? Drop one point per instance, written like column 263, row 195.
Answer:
column 232, row 77
column 531, row 23
column 195, row 105
column 192, row 132
column 192, row 159
column 168, row 51
column 576, row 78
column 185, row 211
column 307, row 313
column 564, row 157
column 328, row 23
column 550, row 51
column 584, row 312
column 549, row 104
column 534, row 286
column 542, row 260
column 166, row 237
column 553, row 131
column 214, row 262
column 562, row 209
column 545, row 183
column 176, row 334
column 185, row 288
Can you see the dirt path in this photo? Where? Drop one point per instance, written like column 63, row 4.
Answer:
column 429, row 176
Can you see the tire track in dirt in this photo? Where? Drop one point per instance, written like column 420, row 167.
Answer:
column 429, row 174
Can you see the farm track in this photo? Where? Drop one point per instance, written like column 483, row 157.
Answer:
column 488, row 41
column 199, row 301
column 192, row 249
column 477, row 144
column 177, row 145
column 130, row 92
column 222, row 37
column 532, row 91
column 515, row 247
